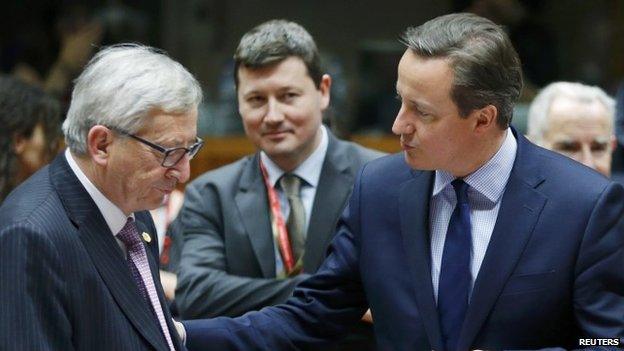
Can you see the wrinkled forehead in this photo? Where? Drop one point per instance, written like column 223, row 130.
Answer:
column 174, row 128
column 567, row 114
column 570, row 108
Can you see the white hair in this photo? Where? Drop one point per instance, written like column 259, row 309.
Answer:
column 537, row 124
column 121, row 85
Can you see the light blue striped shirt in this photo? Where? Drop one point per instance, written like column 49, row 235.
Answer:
column 487, row 185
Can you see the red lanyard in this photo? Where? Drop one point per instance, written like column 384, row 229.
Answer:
column 164, row 255
column 280, row 232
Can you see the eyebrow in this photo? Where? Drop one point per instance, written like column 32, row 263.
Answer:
column 419, row 104
column 601, row 139
column 175, row 142
column 250, row 93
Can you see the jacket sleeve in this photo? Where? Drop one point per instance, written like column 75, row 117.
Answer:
column 33, row 313
column 320, row 311
column 205, row 288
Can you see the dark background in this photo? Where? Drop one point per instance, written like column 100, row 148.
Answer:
column 574, row 40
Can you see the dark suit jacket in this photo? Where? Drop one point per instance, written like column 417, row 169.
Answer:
column 227, row 263
column 552, row 272
column 65, row 284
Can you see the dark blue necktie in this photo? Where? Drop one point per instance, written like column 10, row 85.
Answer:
column 455, row 277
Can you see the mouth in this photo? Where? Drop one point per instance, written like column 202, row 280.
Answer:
column 276, row 134
column 167, row 190
column 406, row 147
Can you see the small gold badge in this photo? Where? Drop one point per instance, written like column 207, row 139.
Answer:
column 147, row 237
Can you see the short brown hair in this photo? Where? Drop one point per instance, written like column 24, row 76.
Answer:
column 486, row 67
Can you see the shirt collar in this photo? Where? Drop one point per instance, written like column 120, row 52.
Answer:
column 309, row 170
column 113, row 215
column 491, row 178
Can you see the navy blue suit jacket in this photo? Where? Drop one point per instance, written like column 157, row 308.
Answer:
column 553, row 271
column 64, row 281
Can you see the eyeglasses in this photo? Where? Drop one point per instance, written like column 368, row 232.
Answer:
column 171, row 155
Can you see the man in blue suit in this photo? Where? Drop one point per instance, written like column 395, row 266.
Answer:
column 77, row 248
column 472, row 238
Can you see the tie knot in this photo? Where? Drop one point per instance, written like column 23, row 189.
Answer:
column 461, row 190
column 291, row 184
column 129, row 235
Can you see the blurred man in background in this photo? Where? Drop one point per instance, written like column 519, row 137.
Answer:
column 575, row 120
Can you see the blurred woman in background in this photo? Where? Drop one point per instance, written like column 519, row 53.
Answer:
column 29, row 131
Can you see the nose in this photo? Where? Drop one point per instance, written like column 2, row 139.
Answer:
column 181, row 171
column 401, row 124
column 274, row 114
column 586, row 157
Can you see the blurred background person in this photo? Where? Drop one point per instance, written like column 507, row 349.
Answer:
column 575, row 120
column 551, row 45
column 48, row 43
column 29, row 131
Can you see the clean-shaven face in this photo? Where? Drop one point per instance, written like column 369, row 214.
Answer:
column 433, row 134
column 282, row 109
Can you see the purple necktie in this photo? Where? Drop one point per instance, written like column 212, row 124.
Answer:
column 139, row 266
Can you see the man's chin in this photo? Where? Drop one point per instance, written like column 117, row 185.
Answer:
column 278, row 149
column 153, row 202
column 416, row 162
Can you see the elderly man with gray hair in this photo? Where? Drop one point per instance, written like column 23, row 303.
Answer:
column 575, row 120
column 77, row 248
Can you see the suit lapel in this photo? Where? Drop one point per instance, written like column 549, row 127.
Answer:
column 251, row 201
column 332, row 190
column 414, row 213
column 105, row 254
column 520, row 209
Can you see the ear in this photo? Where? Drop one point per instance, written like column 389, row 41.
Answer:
column 485, row 118
column 325, row 90
column 613, row 143
column 19, row 143
column 99, row 141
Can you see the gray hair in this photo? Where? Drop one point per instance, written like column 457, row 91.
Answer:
column 274, row 41
column 486, row 67
column 537, row 124
column 121, row 85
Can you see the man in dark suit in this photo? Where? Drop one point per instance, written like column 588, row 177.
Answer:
column 77, row 249
column 232, row 261
column 473, row 238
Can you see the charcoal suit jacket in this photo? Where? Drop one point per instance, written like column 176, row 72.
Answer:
column 64, row 281
column 227, row 264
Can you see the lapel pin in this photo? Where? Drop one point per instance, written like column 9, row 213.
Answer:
column 147, row 237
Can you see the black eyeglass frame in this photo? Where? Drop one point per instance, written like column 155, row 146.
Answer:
column 167, row 151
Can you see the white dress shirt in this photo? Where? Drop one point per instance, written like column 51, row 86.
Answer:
column 487, row 185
